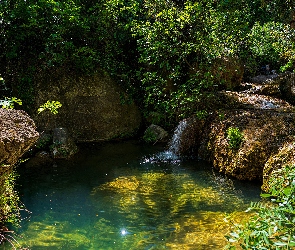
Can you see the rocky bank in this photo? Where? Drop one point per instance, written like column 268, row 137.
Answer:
column 264, row 117
column 17, row 134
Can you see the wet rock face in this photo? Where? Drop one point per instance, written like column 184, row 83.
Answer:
column 17, row 134
column 187, row 137
column 264, row 132
column 287, row 87
column 94, row 108
column 264, row 118
column 285, row 156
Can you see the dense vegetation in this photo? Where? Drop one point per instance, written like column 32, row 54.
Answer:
column 273, row 225
column 167, row 54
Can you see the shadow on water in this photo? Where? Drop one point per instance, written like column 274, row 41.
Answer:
column 126, row 195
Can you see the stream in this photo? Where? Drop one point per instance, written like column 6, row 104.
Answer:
column 128, row 195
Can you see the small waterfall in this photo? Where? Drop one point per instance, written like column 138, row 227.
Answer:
column 175, row 142
column 170, row 155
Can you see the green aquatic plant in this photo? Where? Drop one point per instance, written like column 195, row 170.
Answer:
column 235, row 137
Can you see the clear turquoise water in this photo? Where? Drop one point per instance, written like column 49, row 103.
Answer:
column 126, row 195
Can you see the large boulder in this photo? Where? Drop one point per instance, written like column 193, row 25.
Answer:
column 264, row 133
column 94, row 108
column 17, row 134
column 187, row 137
column 285, row 156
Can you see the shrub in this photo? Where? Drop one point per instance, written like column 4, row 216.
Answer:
column 235, row 137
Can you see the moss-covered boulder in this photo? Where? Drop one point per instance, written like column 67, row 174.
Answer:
column 285, row 156
column 94, row 108
column 264, row 133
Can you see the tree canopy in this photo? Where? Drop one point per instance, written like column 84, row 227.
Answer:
column 165, row 53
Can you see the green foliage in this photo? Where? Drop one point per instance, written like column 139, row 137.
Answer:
column 150, row 136
column 155, row 118
column 273, row 225
column 178, row 46
column 235, row 137
column 8, row 103
column 282, row 185
column 201, row 114
column 52, row 106
column 9, row 200
column 272, row 43
column 167, row 54
column 44, row 142
column 288, row 66
column 221, row 116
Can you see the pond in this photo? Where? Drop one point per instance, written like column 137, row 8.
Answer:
column 127, row 195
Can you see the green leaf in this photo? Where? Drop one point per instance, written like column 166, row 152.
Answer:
column 265, row 195
column 278, row 243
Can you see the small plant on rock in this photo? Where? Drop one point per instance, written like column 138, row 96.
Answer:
column 8, row 103
column 150, row 136
column 235, row 137
column 52, row 106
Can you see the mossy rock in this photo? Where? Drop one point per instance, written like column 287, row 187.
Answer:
column 264, row 131
column 277, row 162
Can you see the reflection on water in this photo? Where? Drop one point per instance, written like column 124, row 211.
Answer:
column 127, row 196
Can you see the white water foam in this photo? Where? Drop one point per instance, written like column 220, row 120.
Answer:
column 175, row 143
column 170, row 155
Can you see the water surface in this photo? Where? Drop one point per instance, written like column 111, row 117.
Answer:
column 126, row 195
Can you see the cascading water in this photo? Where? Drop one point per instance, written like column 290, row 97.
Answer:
column 175, row 143
column 172, row 154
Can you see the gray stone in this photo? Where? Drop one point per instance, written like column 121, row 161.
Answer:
column 63, row 145
column 155, row 133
